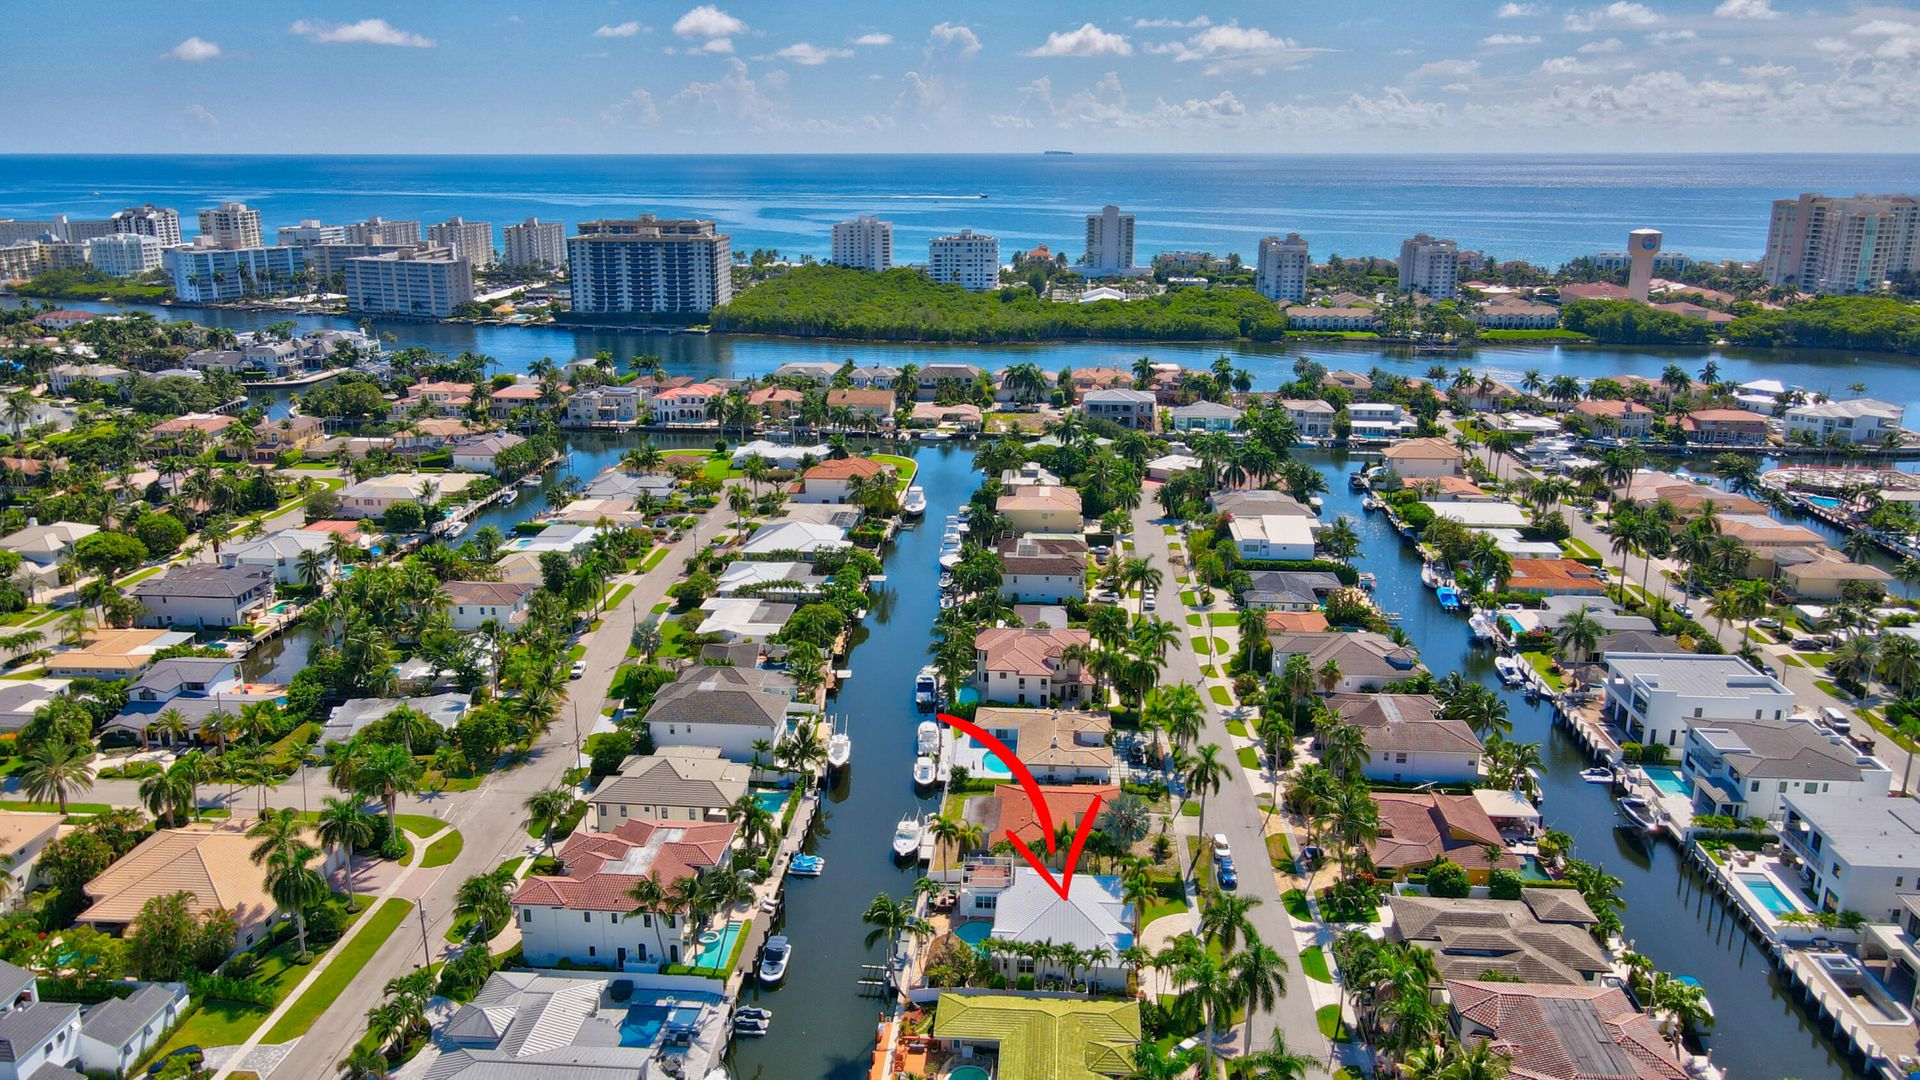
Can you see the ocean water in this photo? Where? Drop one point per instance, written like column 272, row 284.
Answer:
column 1542, row 208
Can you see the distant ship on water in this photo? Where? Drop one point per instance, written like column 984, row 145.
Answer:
column 1056, row 153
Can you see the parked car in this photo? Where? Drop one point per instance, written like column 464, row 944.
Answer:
column 1222, row 851
column 579, row 668
column 1227, row 878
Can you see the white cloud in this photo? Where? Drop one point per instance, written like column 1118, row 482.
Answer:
column 1618, row 13
column 808, row 55
column 1746, row 9
column 707, row 21
column 946, row 34
column 1565, row 65
column 1896, row 40
column 364, row 32
column 1510, row 39
column 201, row 113
column 635, row 108
column 1444, row 69
column 874, row 39
column 734, row 94
column 1611, row 45
column 1194, row 23
column 194, row 50
column 1519, row 11
column 625, row 29
column 1088, row 40
column 1668, row 37
column 1234, row 46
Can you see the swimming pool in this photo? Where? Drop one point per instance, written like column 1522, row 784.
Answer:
column 1531, row 870
column 772, row 801
column 1771, row 896
column 1827, row 501
column 969, row 1072
column 1668, row 779
column 713, row 954
column 643, row 1023
column 974, row 931
column 990, row 763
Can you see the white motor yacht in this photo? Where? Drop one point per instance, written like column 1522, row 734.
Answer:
column 914, row 502
column 926, row 773
column 839, row 750
column 774, row 958
column 906, row 837
column 926, row 688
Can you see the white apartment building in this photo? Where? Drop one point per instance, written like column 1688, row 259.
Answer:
column 1430, row 265
column 965, row 258
column 536, row 243
column 378, row 230
column 1842, row 245
column 470, row 240
column 1656, row 697
column 124, row 254
column 650, row 265
column 1664, row 262
column 309, row 233
column 1110, row 244
column 1861, row 421
column 231, row 225
column 160, row 222
column 1282, row 271
column 205, row 275
column 865, row 243
column 429, row 283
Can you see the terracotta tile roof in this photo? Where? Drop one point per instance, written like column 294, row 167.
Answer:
column 1418, row 830
column 344, row 528
column 1724, row 416
column 845, row 469
column 860, row 399
column 1616, row 409
column 207, row 422
column 602, row 868
column 1025, row 651
column 768, row 395
column 1557, row 575
column 1422, row 450
column 1296, row 622
column 1564, row 1032
column 1063, row 803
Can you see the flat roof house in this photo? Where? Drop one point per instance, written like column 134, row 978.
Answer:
column 1656, row 697
column 1857, row 852
column 1039, row 508
column 1272, row 536
column 683, row 783
column 1744, row 768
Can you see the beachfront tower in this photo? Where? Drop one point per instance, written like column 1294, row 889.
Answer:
column 1642, row 246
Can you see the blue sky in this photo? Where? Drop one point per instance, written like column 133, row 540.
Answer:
column 498, row 76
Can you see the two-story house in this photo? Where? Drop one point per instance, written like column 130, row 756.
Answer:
column 1030, row 666
column 604, row 405
column 1204, row 416
column 1744, row 768
column 473, row 604
column 1656, row 697
column 1856, row 852
column 204, row 597
column 725, row 707
column 1134, row 410
column 685, row 783
column 1409, row 741
column 1043, row 569
column 285, row 554
column 686, row 404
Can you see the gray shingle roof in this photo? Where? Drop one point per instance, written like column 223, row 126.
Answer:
column 25, row 1028
column 720, row 695
column 215, row 581
column 117, row 1021
column 1405, row 722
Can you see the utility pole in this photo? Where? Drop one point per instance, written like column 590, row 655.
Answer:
column 426, row 952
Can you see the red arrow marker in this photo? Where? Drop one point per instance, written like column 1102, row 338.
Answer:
column 1040, row 810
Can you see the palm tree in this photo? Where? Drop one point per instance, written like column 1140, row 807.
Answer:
column 1577, row 634
column 172, row 724
column 169, row 795
column 364, row 1063
column 1260, row 979
column 295, row 886
column 482, row 899
column 952, row 830
column 56, row 769
column 891, row 918
column 344, row 825
column 1685, row 1006
column 1204, row 775
column 388, row 771
column 1207, row 988
column 1226, row 920
column 277, row 831
column 549, row 808
column 1478, row 1060
column 1276, row 1062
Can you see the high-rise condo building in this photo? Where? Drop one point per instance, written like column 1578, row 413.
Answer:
column 309, row 233
column 1429, row 265
column 428, row 283
column 378, row 230
column 1842, row 245
column 865, row 243
column 1282, row 273
column 124, row 254
column 1109, row 243
column 470, row 240
column 646, row 264
column 536, row 243
column 231, row 225
column 965, row 258
column 58, row 228
column 205, row 273
column 160, row 222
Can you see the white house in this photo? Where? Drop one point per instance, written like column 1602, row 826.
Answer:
column 204, row 597
column 1025, row 908
column 1366, row 661
column 803, row 537
column 685, row 404
column 1409, row 742
column 604, row 405
column 23, row 836
column 1272, row 536
column 38, row 1035
column 780, row 455
column 1043, row 569
column 1859, row 421
column 372, row 498
column 284, row 554
column 477, row 455
column 689, row 783
column 472, row 604
column 1312, row 418
column 1377, row 419
column 833, row 481
column 45, row 545
column 1744, row 768
column 61, row 377
column 728, row 708
column 1419, row 459
column 1656, row 697
column 744, row 618
column 1857, row 852
column 119, row 1031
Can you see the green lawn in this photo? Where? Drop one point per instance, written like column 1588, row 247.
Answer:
column 1189, row 597
column 1196, row 620
column 1221, row 698
column 54, row 808
column 617, row 594
column 1223, row 618
column 1833, row 689
column 444, row 850
column 653, row 560
column 327, row 988
column 1313, row 963
column 1222, row 646
column 1190, row 808
column 905, row 467
column 1279, row 852
column 1296, row 904
column 1237, row 727
column 1578, row 549
column 419, row 824
column 1171, row 900
column 1202, row 646
column 1248, row 756
column 1331, row 1026
column 1541, row 663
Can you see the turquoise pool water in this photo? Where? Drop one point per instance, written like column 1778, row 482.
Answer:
column 969, row 1072
column 715, row 953
column 974, row 931
column 990, row 763
column 1531, row 870
column 1770, row 895
column 968, row 696
column 1668, row 779
column 643, row 1022
column 1827, row 501
column 773, row 802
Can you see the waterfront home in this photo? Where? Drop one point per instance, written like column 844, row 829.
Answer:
column 1763, row 537
column 744, row 618
column 1482, row 516
column 685, row 783
column 1628, row 641
column 1513, row 313
column 818, row 372
column 1288, row 590
column 1040, row 508
column 1365, row 661
column 521, row 394
column 604, row 405
column 1011, row 811
column 208, row 425
column 1417, row 459
column 481, row 454
column 933, row 375
column 1295, row 622
column 1408, row 741
column 1040, row 1038
column 873, row 403
column 23, row 836
column 372, row 498
column 1377, row 420
column 1725, row 427
column 117, row 1032
column 1418, row 830
column 1029, row 474
column 286, row 435
column 62, row 377
column 1043, row 568
column 1272, row 536
column 1617, row 419
column 113, row 654
column 351, row 717
column 1821, row 573
column 1029, row 666
column 776, row 403
column 38, row 1040
column 689, row 404
column 204, row 597
column 960, row 417
column 584, row 1025
column 782, row 536
column 565, row 539
column 1858, row 421
column 795, row 582
column 1312, row 418
column 443, row 398
column 186, row 676
column 1550, row 1032
column 473, row 604
column 1351, row 381
column 614, row 484
column 833, row 481
column 1135, row 410
column 1655, row 697
column 1330, row 319
column 1555, row 577
column 1744, row 768
column 283, row 553
column 1450, row 489
column 1058, row 746
column 1100, row 378
column 872, row 377
column 1257, row 502
column 585, row 914
column 728, row 708
column 1204, row 416
column 1541, row 938
column 211, row 863
column 1025, row 907
column 781, row 455
column 1855, row 852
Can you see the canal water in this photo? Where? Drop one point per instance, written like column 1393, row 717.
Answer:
column 822, row 1028
column 1763, row 1033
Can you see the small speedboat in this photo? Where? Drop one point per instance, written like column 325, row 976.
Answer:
column 914, row 502
column 950, row 559
column 906, row 837
column 1597, row 776
column 1642, row 815
column 752, row 1029
column 926, row 688
column 925, row 774
column 774, row 959
column 927, row 737
column 749, row 1012
column 1509, row 670
column 1481, row 626
column 839, row 750
column 807, row 866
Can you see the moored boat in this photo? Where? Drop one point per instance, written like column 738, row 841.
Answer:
column 925, row 772
column 906, row 837
column 807, row 866
column 926, row 688
column 774, row 958
column 839, row 750
column 1509, row 670
column 1641, row 814
column 914, row 502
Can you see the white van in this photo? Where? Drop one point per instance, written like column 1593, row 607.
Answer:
column 1835, row 719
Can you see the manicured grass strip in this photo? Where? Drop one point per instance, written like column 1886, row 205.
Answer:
column 1195, row 620
column 1235, row 727
column 1201, row 646
column 614, row 597
column 1220, row 696
column 1223, row 618
column 653, row 560
column 419, row 824
column 1190, row 808
column 1541, row 663
column 1279, row 852
column 1313, row 962
column 1171, row 899
column 228, row 1023
column 345, row 966
column 54, row 808
column 1222, row 646
column 1296, row 904
column 444, row 850
column 1248, row 756
column 1328, row 1017
column 1189, row 597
